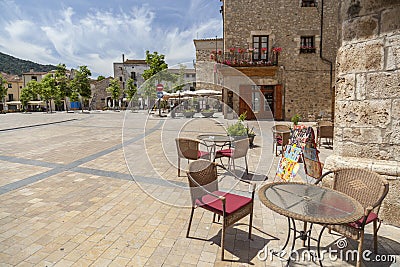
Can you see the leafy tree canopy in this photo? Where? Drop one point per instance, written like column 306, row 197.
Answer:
column 156, row 73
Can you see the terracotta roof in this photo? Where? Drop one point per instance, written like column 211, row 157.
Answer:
column 208, row 39
column 11, row 77
column 135, row 61
column 34, row 73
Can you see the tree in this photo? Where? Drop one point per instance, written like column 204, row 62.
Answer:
column 100, row 78
column 81, row 83
column 49, row 90
column 180, row 81
column 63, row 84
column 114, row 89
column 29, row 93
column 131, row 90
column 3, row 89
column 155, row 74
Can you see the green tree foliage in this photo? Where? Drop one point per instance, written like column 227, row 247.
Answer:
column 114, row 89
column 63, row 83
column 156, row 73
column 100, row 78
column 131, row 90
column 29, row 92
column 81, row 83
column 49, row 90
column 12, row 65
column 3, row 88
column 180, row 81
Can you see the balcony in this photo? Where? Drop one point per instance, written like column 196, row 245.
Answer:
column 245, row 63
column 244, row 59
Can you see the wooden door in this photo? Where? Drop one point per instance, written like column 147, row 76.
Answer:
column 278, row 106
column 245, row 99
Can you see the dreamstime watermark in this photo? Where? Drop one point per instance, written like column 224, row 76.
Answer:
column 332, row 254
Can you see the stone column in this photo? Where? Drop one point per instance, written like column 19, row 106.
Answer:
column 367, row 108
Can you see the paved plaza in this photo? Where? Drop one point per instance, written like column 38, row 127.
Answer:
column 101, row 189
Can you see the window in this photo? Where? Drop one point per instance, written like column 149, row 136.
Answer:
column 120, row 78
column 260, row 46
column 308, row 3
column 307, row 44
column 9, row 85
column 10, row 97
column 133, row 75
column 34, row 78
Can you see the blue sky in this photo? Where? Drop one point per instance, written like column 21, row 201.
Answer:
column 97, row 33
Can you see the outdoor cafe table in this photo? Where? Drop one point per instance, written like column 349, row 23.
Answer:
column 309, row 203
column 213, row 140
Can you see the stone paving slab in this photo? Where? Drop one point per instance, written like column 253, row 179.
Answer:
column 72, row 195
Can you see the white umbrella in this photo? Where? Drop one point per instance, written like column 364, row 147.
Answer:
column 207, row 92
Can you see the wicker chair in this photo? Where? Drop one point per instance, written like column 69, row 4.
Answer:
column 204, row 192
column 280, row 137
column 369, row 189
column 189, row 149
column 325, row 130
column 239, row 150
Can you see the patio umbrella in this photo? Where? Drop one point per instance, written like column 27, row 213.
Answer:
column 207, row 92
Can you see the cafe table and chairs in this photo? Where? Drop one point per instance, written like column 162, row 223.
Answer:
column 308, row 203
column 214, row 141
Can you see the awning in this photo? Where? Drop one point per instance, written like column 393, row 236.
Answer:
column 13, row 103
column 36, row 103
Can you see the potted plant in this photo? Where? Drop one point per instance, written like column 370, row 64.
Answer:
column 238, row 130
column 295, row 119
column 251, row 135
column 189, row 113
column 207, row 113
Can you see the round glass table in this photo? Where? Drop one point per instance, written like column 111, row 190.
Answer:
column 311, row 204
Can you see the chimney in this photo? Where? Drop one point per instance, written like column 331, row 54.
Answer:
column 123, row 58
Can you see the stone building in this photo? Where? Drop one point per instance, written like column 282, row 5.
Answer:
column 130, row 68
column 367, row 107
column 287, row 49
column 100, row 97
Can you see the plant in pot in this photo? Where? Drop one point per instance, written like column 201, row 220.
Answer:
column 238, row 130
column 207, row 113
column 189, row 113
column 295, row 119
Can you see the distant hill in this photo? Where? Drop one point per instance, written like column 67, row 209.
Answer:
column 13, row 65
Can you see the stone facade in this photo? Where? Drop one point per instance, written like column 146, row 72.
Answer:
column 306, row 78
column 367, row 109
column 100, row 96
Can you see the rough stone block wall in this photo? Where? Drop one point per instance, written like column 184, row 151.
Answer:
column 367, row 110
column 305, row 77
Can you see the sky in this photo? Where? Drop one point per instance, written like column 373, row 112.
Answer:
column 96, row 33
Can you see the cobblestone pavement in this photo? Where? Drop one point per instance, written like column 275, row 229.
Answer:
column 102, row 189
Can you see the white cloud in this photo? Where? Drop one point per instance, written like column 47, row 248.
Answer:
column 97, row 38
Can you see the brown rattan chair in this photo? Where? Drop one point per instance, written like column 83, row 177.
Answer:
column 204, row 192
column 238, row 149
column 189, row 149
column 280, row 137
column 369, row 188
column 325, row 130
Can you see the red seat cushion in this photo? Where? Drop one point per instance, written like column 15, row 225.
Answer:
column 371, row 217
column 233, row 202
column 202, row 154
column 224, row 153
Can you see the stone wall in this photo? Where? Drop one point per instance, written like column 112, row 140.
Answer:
column 367, row 110
column 305, row 77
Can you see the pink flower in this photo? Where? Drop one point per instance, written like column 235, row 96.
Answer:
column 232, row 49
